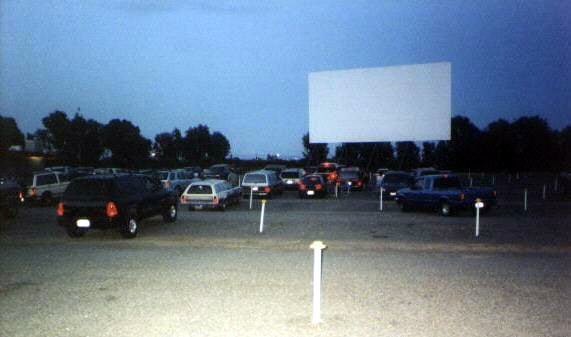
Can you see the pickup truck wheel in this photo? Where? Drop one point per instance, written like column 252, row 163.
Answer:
column 445, row 209
column 74, row 232
column 170, row 214
column 130, row 228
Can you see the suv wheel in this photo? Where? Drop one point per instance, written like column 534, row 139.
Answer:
column 130, row 228
column 170, row 214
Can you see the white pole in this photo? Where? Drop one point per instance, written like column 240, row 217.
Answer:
column 493, row 180
column 517, row 176
column 525, row 199
column 471, row 181
column 336, row 190
column 262, row 216
column 477, row 221
column 317, row 247
column 251, row 197
column 544, row 187
column 380, row 198
column 556, row 181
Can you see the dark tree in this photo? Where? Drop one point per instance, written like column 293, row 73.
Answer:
column 218, row 148
column 442, row 154
column 58, row 126
column 565, row 148
column 465, row 145
column 128, row 147
column 407, row 155
column 428, row 154
column 10, row 134
column 536, row 144
column 314, row 153
column 499, row 146
column 197, row 141
column 169, row 147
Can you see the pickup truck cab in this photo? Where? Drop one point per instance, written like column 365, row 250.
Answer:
column 114, row 201
column 210, row 194
column 444, row 193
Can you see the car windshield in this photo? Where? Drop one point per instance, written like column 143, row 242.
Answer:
column 396, row 179
column 349, row 174
column 290, row 174
column 447, row 183
column 89, row 187
column 255, row 178
column 200, row 189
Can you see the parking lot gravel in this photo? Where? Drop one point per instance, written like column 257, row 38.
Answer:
column 213, row 274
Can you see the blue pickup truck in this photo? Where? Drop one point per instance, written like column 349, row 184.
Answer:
column 444, row 193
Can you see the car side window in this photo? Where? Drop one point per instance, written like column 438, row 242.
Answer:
column 46, row 179
column 419, row 184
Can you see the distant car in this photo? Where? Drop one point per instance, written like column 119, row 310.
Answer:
column 210, row 194
column 109, row 170
column 278, row 168
column 176, row 180
column 312, row 185
column 350, row 178
column 291, row 178
column 11, row 197
column 45, row 187
column 222, row 171
column 114, row 201
column 261, row 183
column 392, row 181
column 329, row 171
column 444, row 193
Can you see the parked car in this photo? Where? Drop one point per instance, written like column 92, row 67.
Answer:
column 392, row 181
column 195, row 171
column 114, row 201
column 350, row 178
column 11, row 197
column 312, row 185
column 177, row 180
column 261, row 183
column 329, row 171
column 278, row 168
column 45, row 187
column 222, row 171
column 210, row 194
column 291, row 178
column 444, row 193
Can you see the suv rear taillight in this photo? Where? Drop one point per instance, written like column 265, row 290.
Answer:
column 302, row 186
column 318, row 186
column 21, row 197
column 215, row 200
column 111, row 209
column 461, row 197
column 267, row 189
column 32, row 192
column 494, row 194
column 60, row 209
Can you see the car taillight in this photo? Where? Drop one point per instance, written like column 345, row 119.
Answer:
column 359, row 183
column 494, row 194
column 461, row 197
column 32, row 191
column 333, row 176
column 21, row 196
column 60, row 209
column 215, row 200
column 267, row 189
column 318, row 186
column 111, row 209
column 302, row 186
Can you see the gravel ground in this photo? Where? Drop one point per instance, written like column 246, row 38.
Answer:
column 213, row 274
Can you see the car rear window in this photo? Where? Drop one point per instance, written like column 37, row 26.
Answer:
column 312, row 180
column 396, row 178
column 255, row 178
column 89, row 187
column 349, row 174
column 46, row 179
column 291, row 174
column 200, row 189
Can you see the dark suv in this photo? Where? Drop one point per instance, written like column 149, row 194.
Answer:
column 114, row 201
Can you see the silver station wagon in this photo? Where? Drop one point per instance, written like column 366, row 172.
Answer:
column 210, row 194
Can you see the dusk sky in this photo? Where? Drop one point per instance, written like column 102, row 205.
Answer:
column 241, row 67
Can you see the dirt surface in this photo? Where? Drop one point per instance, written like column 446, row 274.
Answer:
column 213, row 274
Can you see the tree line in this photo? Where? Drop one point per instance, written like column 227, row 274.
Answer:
column 87, row 142
column 526, row 144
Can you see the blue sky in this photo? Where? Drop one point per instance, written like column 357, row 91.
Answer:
column 241, row 66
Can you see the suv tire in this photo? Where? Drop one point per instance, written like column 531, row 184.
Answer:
column 130, row 228
column 170, row 214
